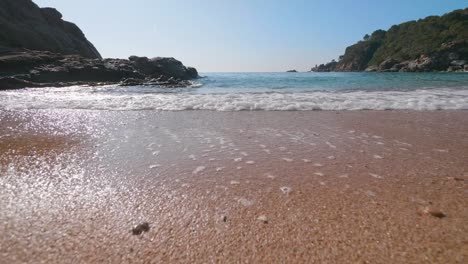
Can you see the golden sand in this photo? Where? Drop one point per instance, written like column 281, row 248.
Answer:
column 253, row 187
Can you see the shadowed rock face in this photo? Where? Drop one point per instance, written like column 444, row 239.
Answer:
column 23, row 25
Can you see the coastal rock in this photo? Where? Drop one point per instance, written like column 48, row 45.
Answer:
column 387, row 64
column 372, row 69
column 23, row 25
column 10, row 83
column 163, row 66
column 40, row 69
column 329, row 67
column 414, row 46
column 291, row 71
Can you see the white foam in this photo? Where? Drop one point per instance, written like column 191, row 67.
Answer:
column 95, row 98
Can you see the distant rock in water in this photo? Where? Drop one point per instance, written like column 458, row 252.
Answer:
column 23, row 25
column 292, row 71
column 39, row 49
column 431, row 44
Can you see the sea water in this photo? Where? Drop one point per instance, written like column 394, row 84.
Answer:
column 262, row 91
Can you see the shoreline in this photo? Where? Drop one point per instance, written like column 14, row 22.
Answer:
column 254, row 186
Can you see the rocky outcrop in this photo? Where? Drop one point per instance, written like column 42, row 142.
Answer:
column 430, row 44
column 42, row 68
column 39, row 49
column 291, row 71
column 447, row 58
column 329, row 67
column 357, row 57
column 23, row 25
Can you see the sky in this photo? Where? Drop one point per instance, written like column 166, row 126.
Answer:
column 239, row 35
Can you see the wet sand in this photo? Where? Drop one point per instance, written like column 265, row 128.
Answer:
column 224, row 187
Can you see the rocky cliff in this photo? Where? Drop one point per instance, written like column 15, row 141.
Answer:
column 39, row 49
column 24, row 25
column 431, row 44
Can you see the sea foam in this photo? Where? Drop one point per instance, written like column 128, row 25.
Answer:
column 89, row 98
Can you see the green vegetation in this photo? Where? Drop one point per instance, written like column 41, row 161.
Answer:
column 410, row 40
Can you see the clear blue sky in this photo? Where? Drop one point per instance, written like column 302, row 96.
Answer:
column 239, row 35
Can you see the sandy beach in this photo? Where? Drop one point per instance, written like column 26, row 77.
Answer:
column 233, row 187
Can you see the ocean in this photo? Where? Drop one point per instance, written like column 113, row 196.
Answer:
column 262, row 91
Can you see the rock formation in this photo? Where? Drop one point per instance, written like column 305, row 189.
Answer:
column 39, row 49
column 430, row 44
column 26, row 26
column 43, row 68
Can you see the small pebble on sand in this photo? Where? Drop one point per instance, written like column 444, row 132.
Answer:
column 139, row 229
column 263, row 219
column 286, row 190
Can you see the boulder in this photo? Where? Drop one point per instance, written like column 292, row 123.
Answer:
column 163, row 66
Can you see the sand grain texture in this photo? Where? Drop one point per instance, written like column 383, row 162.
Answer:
column 324, row 187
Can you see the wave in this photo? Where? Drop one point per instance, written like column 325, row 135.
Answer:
column 84, row 98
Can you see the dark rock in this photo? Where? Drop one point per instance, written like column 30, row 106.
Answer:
column 139, row 229
column 39, row 49
column 163, row 66
column 292, row 71
column 41, row 68
column 10, row 83
column 437, row 213
column 192, row 73
column 23, row 25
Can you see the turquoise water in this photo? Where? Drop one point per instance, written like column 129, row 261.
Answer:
column 311, row 81
column 262, row 92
